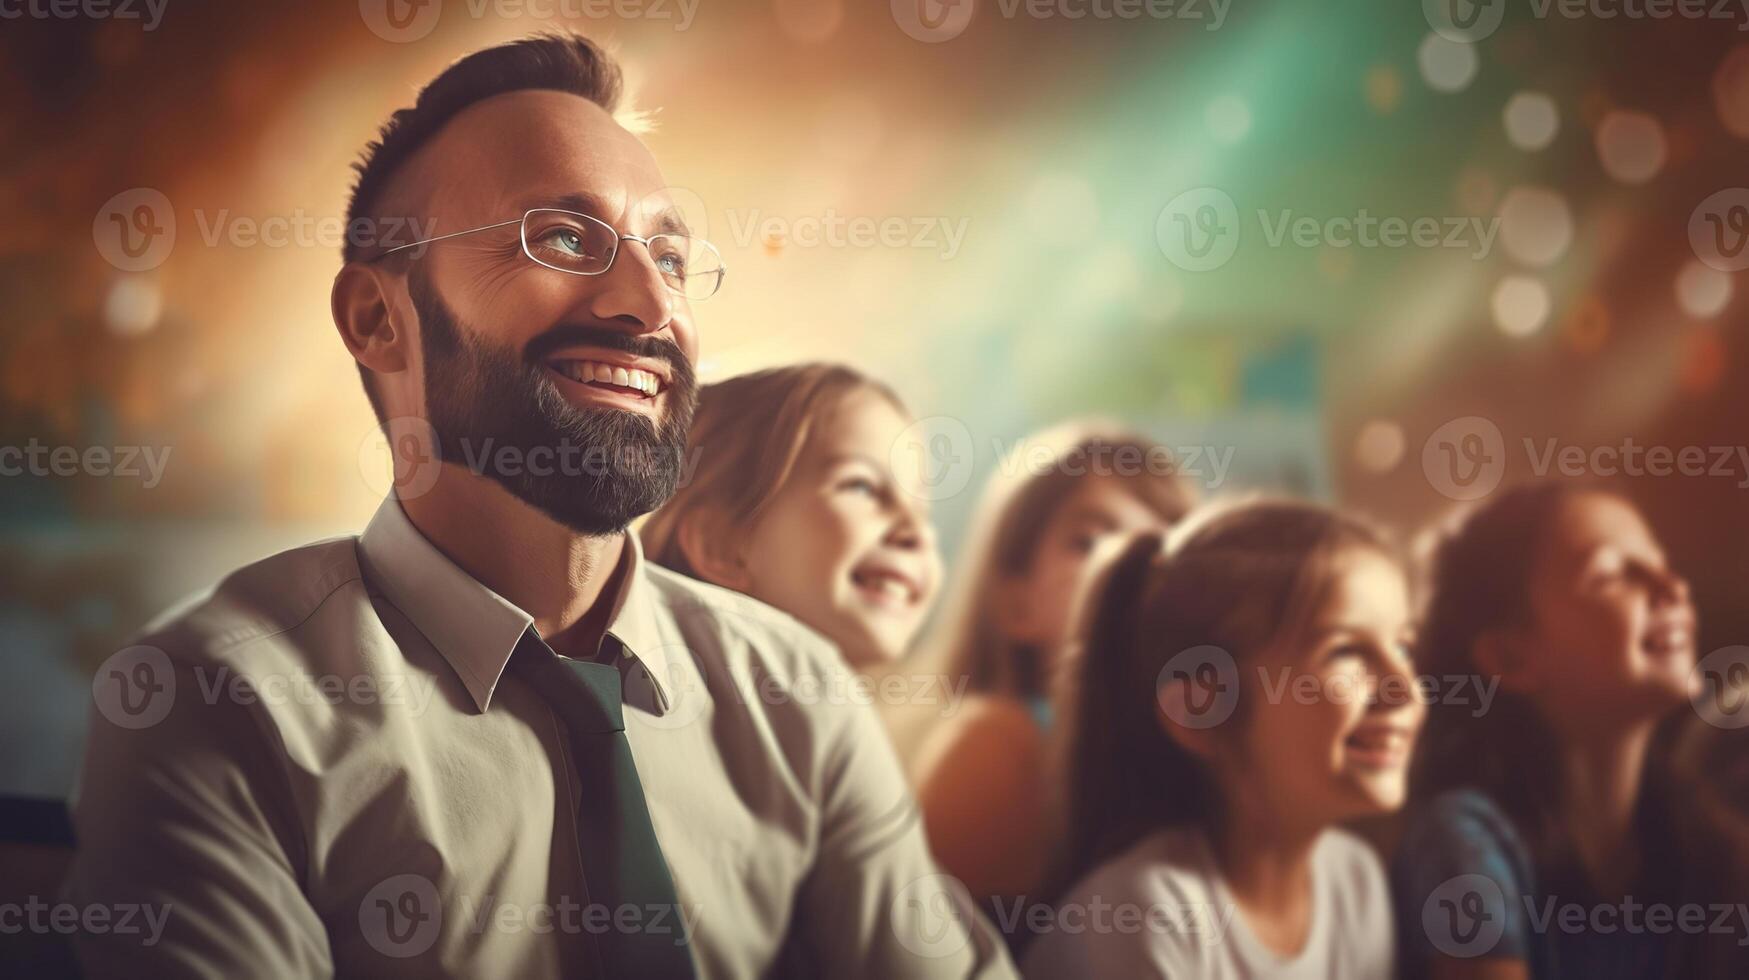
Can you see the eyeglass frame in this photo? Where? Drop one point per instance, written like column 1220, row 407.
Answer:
column 722, row 270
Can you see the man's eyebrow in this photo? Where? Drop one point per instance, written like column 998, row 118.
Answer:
column 587, row 204
column 668, row 221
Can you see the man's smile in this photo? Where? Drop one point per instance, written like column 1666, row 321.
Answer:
column 616, row 380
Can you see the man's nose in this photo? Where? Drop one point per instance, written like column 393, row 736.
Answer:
column 632, row 292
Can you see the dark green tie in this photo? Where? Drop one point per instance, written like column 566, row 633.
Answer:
column 623, row 865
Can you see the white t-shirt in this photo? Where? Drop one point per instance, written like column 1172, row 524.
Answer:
column 1162, row 910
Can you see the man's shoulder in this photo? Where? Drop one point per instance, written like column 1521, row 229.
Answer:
column 740, row 625
column 266, row 598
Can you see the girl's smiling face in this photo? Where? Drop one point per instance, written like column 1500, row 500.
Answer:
column 1333, row 717
column 843, row 546
column 1611, row 637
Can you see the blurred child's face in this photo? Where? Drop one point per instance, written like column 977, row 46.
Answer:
column 1039, row 606
column 1332, row 721
column 842, row 546
column 1612, row 630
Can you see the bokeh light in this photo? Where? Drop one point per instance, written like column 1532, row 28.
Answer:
column 1532, row 120
column 1536, row 226
column 1380, row 445
column 1521, row 305
column 133, row 305
column 1731, row 91
column 1701, row 290
column 1384, row 89
column 1631, row 146
column 1446, row 65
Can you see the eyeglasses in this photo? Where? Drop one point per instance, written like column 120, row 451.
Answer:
column 585, row 246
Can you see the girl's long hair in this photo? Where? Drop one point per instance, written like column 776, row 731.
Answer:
column 1032, row 483
column 1239, row 578
column 1478, row 581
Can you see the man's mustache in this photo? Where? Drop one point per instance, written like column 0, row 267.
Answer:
column 576, row 335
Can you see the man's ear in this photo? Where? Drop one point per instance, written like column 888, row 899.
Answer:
column 1506, row 654
column 363, row 314
column 713, row 548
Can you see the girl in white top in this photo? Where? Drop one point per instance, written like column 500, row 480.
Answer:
column 1239, row 694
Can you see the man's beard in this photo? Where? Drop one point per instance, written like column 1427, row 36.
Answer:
column 502, row 416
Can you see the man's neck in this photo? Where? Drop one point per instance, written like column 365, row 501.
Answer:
column 548, row 570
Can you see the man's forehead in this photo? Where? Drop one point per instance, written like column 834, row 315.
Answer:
column 535, row 147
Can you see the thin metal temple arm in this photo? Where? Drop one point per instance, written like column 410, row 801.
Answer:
column 453, row 234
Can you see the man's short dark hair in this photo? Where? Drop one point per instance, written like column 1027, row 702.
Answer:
column 559, row 62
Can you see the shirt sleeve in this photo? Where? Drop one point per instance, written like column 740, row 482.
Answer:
column 875, row 904
column 185, row 824
column 1461, row 884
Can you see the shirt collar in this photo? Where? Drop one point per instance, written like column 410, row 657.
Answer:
column 475, row 629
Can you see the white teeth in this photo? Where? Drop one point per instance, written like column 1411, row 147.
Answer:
column 886, row 586
column 587, row 371
column 1667, row 638
column 1384, row 741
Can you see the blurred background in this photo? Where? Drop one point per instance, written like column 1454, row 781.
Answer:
column 1011, row 213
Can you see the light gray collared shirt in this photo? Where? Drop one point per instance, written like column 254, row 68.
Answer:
column 324, row 766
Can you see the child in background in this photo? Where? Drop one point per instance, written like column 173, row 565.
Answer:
column 1238, row 695
column 1563, row 598
column 794, row 502
column 979, row 773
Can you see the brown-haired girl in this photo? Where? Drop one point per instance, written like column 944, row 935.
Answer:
column 793, row 500
column 979, row 773
column 1239, row 694
column 1538, row 802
